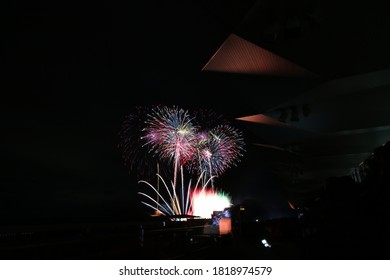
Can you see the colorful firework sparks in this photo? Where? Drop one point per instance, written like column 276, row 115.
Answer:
column 226, row 147
column 170, row 134
column 205, row 201
column 217, row 150
column 135, row 156
column 205, row 119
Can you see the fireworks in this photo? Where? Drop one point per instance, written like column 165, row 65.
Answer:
column 170, row 134
column 205, row 143
column 217, row 150
column 134, row 154
column 173, row 205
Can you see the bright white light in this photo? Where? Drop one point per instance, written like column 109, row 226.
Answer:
column 265, row 243
column 207, row 201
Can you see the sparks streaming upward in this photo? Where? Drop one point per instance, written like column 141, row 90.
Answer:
column 174, row 206
column 198, row 199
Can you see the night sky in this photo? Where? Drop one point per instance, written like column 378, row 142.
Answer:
column 73, row 71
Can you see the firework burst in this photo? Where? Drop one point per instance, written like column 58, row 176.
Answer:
column 170, row 134
column 226, row 146
column 206, row 144
column 135, row 156
column 217, row 150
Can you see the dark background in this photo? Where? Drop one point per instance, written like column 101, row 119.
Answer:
column 72, row 71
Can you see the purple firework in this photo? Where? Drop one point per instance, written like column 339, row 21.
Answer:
column 210, row 158
column 170, row 134
column 135, row 156
column 166, row 133
column 222, row 148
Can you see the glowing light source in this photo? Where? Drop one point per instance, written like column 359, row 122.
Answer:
column 225, row 226
column 265, row 243
column 205, row 202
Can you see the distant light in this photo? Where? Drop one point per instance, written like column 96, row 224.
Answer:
column 257, row 220
column 178, row 220
column 242, row 208
column 265, row 243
